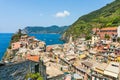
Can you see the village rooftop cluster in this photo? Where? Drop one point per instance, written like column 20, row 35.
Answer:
column 81, row 59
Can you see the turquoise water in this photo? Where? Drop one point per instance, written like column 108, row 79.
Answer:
column 4, row 42
column 48, row 38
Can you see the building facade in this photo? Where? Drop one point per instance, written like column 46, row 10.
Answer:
column 110, row 33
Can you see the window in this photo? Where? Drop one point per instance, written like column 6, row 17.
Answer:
column 13, row 44
column 115, row 65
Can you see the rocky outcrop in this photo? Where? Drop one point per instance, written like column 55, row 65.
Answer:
column 7, row 54
column 65, row 37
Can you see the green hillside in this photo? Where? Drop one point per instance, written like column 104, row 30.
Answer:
column 108, row 16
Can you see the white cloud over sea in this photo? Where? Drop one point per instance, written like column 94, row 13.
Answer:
column 63, row 14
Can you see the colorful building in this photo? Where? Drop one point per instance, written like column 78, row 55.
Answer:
column 112, row 32
column 16, row 45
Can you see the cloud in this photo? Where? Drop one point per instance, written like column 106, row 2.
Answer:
column 62, row 14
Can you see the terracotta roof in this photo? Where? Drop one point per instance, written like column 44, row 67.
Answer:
column 107, row 28
column 49, row 48
column 32, row 58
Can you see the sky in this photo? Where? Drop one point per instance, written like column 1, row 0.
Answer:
column 17, row 14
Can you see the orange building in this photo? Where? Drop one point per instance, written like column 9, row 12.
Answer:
column 33, row 58
column 111, row 31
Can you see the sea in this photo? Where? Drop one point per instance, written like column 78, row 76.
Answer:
column 49, row 39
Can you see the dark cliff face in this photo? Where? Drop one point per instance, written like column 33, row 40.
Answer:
column 65, row 38
column 107, row 16
column 44, row 30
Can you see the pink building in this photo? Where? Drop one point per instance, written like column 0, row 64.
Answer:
column 16, row 45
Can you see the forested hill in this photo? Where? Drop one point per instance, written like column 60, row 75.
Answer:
column 107, row 16
column 43, row 30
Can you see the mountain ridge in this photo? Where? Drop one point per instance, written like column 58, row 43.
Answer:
column 44, row 30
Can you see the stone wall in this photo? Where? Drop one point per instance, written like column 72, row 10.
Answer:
column 16, row 71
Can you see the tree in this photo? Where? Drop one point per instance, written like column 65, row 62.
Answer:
column 118, row 39
column 88, row 37
column 107, row 36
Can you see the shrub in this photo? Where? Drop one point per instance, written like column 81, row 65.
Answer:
column 34, row 76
